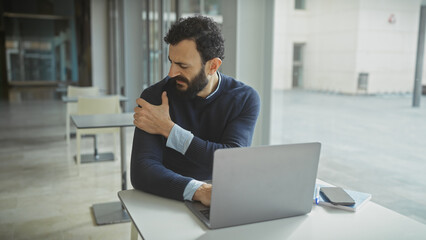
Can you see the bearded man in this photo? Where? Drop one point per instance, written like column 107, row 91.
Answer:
column 181, row 120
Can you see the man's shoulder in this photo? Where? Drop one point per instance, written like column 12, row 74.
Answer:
column 237, row 88
column 152, row 94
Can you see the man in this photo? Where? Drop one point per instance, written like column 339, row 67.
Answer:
column 184, row 118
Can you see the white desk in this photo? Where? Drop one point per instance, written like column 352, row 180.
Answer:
column 96, row 156
column 107, row 213
column 160, row 218
column 67, row 99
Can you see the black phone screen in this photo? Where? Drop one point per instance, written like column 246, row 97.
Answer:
column 337, row 196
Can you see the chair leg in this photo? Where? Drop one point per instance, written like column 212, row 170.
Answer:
column 133, row 232
column 67, row 126
column 115, row 146
column 78, row 155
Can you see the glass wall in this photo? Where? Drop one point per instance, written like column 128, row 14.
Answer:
column 157, row 17
column 38, row 49
column 40, row 41
column 162, row 14
column 210, row 8
column 349, row 86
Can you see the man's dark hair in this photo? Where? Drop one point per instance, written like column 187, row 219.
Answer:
column 204, row 31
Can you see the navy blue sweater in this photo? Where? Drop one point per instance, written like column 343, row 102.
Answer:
column 225, row 119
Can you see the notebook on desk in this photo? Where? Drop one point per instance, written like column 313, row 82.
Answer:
column 259, row 184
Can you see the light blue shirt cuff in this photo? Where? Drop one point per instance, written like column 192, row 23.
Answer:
column 190, row 189
column 179, row 139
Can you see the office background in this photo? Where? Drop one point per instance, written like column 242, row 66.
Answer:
column 338, row 72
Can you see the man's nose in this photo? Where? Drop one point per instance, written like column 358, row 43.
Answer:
column 173, row 72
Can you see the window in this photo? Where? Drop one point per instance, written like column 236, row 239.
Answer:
column 298, row 65
column 210, row 8
column 38, row 48
column 299, row 4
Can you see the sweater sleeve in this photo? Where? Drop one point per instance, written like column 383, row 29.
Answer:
column 238, row 133
column 147, row 170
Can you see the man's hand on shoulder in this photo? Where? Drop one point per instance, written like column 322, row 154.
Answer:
column 203, row 194
column 153, row 119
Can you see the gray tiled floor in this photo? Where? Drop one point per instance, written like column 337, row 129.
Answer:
column 375, row 144
column 43, row 195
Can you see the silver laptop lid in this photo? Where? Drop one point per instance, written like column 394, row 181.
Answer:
column 262, row 183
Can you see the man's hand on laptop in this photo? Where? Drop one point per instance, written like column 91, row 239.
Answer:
column 203, row 194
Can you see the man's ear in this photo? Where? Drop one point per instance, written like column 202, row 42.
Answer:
column 213, row 65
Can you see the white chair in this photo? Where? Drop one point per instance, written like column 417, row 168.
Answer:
column 97, row 105
column 72, row 106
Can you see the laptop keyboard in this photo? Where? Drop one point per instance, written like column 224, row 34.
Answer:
column 206, row 213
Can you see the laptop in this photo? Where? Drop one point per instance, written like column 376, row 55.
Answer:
column 256, row 184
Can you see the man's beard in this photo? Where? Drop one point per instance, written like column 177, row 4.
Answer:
column 198, row 83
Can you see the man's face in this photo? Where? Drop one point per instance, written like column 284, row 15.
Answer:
column 186, row 68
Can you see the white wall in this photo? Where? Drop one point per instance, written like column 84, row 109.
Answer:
column 331, row 46
column 290, row 26
column 344, row 38
column 387, row 51
column 328, row 29
column 99, row 35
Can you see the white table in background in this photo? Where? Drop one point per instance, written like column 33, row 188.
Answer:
column 108, row 213
column 96, row 156
column 67, row 99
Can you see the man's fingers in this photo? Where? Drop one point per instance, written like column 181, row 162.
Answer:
column 164, row 98
column 141, row 102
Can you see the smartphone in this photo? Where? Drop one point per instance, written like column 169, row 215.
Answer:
column 337, row 196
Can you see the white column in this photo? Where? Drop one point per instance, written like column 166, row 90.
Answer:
column 133, row 52
column 99, row 36
column 248, row 32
